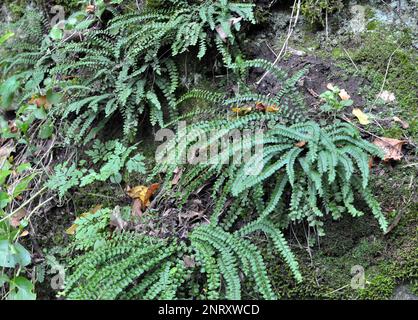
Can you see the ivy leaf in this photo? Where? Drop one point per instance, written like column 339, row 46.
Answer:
column 13, row 254
column 21, row 289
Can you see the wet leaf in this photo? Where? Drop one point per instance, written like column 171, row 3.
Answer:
column 391, row 147
column 362, row 117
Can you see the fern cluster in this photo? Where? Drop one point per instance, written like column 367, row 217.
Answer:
column 132, row 266
column 128, row 68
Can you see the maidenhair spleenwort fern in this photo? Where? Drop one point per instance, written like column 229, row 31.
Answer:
column 128, row 68
column 314, row 170
column 126, row 265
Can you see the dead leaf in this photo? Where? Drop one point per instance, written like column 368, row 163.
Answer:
column 330, row 86
column 5, row 151
column 391, row 147
column 15, row 219
column 40, row 101
column 404, row 124
column 362, row 117
column 344, row 95
column 151, row 190
column 300, row 144
column 72, row 229
column 12, row 126
column 143, row 193
column 24, row 234
column 241, row 110
column 260, row 106
column 386, row 96
column 90, row 9
column 272, row 108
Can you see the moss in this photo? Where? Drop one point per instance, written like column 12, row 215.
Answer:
column 337, row 53
column 372, row 25
column 371, row 59
column 380, row 287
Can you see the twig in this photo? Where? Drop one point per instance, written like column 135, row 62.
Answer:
column 292, row 25
column 326, row 24
column 23, row 205
column 386, row 75
column 343, row 287
column 349, row 57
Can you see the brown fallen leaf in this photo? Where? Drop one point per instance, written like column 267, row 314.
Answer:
column 391, row 147
column 344, row 95
column 72, row 229
column 300, row 144
column 241, row 110
column 330, row 86
column 143, row 193
column 24, row 234
column 40, row 101
column 17, row 217
column 90, row 9
column 403, row 123
column 12, row 126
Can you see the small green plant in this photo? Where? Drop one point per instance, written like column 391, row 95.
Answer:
column 14, row 257
column 335, row 99
column 113, row 158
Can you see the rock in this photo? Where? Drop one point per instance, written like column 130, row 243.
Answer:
column 358, row 20
column 402, row 292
